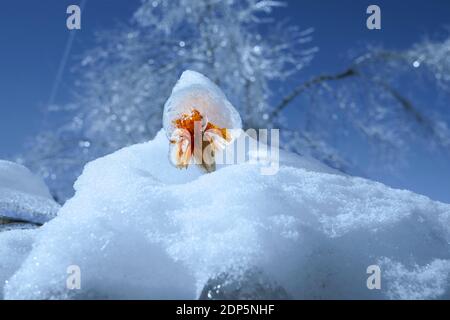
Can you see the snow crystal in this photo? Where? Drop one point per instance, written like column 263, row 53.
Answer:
column 139, row 228
column 24, row 196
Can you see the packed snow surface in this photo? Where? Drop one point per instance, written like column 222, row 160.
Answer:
column 24, row 196
column 139, row 228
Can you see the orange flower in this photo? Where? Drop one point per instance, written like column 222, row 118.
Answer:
column 183, row 140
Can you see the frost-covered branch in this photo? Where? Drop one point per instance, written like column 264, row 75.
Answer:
column 381, row 85
column 309, row 84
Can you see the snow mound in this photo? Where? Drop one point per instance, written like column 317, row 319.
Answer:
column 15, row 244
column 24, row 196
column 139, row 228
column 16, row 177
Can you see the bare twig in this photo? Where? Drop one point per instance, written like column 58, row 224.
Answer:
column 307, row 85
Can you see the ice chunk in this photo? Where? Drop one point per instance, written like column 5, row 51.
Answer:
column 24, row 196
column 139, row 228
column 252, row 284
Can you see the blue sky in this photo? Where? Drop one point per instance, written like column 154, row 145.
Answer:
column 33, row 36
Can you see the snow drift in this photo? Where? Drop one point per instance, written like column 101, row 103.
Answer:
column 24, row 196
column 24, row 202
column 139, row 228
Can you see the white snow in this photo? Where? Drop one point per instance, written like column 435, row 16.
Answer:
column 139, row 228
column 24, row 196
column 16, row 177
column 418, row 282
column 15, row 244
